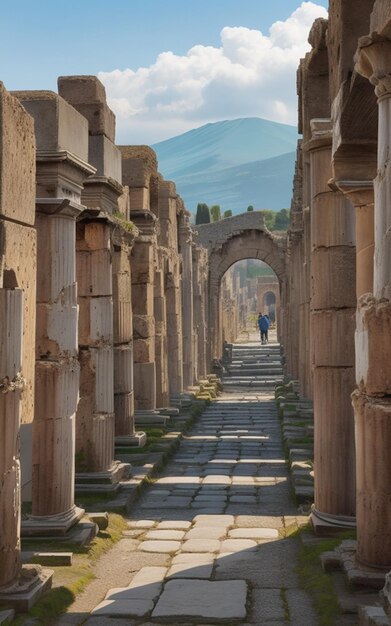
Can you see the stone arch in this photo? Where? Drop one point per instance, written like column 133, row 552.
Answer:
column 236, row 239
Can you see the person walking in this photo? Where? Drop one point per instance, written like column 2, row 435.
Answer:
column 263, row 324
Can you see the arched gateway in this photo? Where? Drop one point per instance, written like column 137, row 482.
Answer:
column 230, row 240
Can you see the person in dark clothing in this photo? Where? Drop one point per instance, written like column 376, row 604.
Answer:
column 263, row 324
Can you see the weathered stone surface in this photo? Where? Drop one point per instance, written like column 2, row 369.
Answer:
column 205, row 600
column 17, row 158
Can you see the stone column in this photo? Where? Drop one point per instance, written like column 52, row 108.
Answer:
column 95, row 412
column 123, row 337
column 332, row 326
column 174, row 327
column 62, row 167
column 200, row 270
column 185, row 246
column 160, row 313
column 57, row 370
column 371, row 401
column 11, row 386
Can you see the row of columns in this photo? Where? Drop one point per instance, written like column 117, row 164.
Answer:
column 96, row 253
column 342, row 208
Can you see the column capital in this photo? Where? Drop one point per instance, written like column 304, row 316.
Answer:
column 321, row 134
column 359, row 192
column 373, row 60
column 54, row 207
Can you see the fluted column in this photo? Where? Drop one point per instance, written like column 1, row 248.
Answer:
column 123, row 336
column 174, row 328
column 57, row 369
column 333, row 301
column 372, row 404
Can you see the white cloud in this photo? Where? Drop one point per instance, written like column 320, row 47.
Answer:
column 251, row 74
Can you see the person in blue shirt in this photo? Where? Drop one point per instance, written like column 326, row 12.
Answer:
column 263, row 324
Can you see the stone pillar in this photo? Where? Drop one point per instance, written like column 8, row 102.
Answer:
column 62, row 167
column 332, row 325
column 371, row 401
column 57, row 370
column 95, row 413
column 200, row 276
column 17, row 334
column 185, row 246
column 123, row 336
column 174, row 327
column 160, row 313
column 11, row 386
column 101, row 193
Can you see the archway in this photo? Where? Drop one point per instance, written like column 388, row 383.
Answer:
column 228, row 241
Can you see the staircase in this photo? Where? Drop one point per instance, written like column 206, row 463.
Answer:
column 253, row 365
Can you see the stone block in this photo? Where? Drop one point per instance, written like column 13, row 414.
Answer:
column 122, row 321
column 144, row 350
column 332, row 221
column 100, row 519
column 56, row 334
column 333, row 278
column 143, row 326
column 56, row 389
column 333, row 338
column 95, row 321
column 17, row 160
column 145, row 385
column 123, row 369
column 139, row 198
column 373, row 347
column 58, row 126
column 142, row 272
column 18, row 257
column 55, row 250
column 94, row 273
column 124, row 414
column 142, row 300
column 212, row 600
column 88, row 95
column 105, row 157
column 96, row 380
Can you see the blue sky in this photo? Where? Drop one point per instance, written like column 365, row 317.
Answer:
column 42, row 39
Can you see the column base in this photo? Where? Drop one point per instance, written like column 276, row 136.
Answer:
column 51, row 525
column 26, row 591
column 325, row 524
column 358, row 576
column 138, row 440
column 105, row 482
column 149, row 418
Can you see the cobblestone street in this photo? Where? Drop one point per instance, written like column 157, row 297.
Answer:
column 206, row 542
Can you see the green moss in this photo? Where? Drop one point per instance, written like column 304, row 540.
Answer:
column 318, row 583
column 69, row 582
column 285, row 604
column 128, row 226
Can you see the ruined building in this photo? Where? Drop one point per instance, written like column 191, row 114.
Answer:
column 112, row 304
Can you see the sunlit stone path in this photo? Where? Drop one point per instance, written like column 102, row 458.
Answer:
column 207, row 540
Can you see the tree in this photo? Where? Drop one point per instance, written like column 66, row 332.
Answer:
column 250, row 207
column 215, row 213
column 270, row 217
column 227, row 213
column 203, row 214
column 282, row 220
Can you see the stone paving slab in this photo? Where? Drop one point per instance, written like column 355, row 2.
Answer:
column 202, row 600
column 253, row 533
column 160, row 546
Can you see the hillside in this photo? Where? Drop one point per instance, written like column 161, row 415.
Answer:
column 232, row 163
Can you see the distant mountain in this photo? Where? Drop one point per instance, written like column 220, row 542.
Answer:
column 233, row 163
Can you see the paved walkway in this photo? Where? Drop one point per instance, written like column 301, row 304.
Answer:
column 207, row 540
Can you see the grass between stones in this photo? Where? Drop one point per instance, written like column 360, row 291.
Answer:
column 68, row 582
column 285, row 604
column 318, row 583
